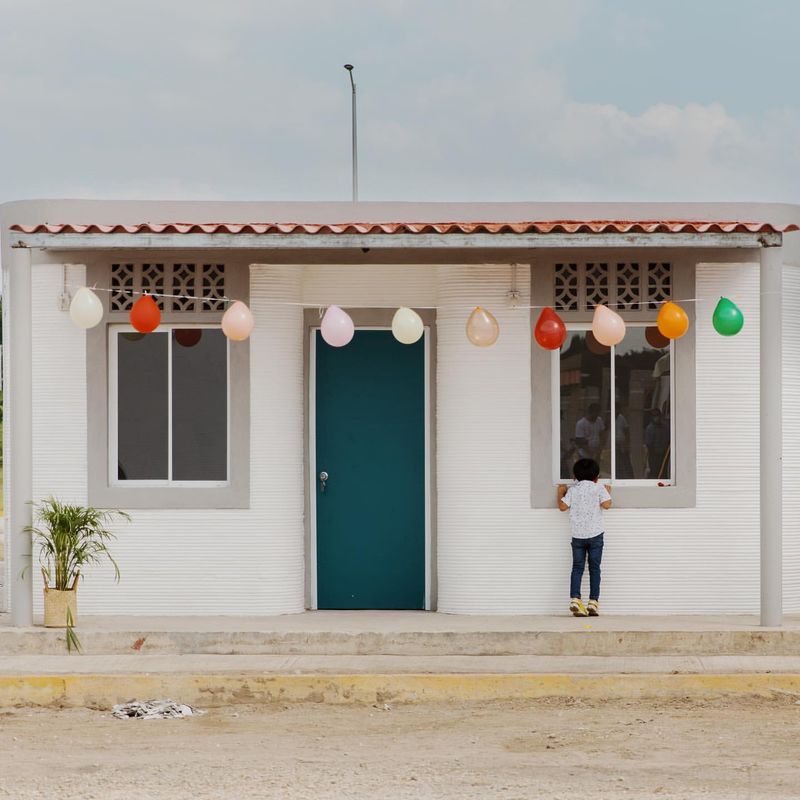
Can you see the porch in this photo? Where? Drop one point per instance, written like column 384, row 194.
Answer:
column 491, row 541
column 413, row 633
column 384, row 658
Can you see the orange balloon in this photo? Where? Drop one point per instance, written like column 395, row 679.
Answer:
column 145, row 315
column 672, row 320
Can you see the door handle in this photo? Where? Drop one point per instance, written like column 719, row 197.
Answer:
column 323, row 480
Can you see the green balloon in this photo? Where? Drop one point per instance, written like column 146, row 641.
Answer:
column 728, row 318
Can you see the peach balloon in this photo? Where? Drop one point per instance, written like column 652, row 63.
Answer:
column 337, row 327
column 672, row 320
column 482, row 328
column 608, row 327
column 238, row 322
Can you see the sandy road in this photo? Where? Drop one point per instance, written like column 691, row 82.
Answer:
column 744, row 748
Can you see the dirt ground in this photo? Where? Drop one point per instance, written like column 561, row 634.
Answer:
column 744, row 748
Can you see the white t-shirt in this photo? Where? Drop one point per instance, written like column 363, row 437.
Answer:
column 585, row 514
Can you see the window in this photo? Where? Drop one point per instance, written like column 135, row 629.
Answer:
column 632, row 407
column 168, row 413
column 168, row 406
column 613, row 404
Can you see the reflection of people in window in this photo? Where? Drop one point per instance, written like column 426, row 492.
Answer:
column 622, row 437
column 567, row 448
column 657, row 441
column 590, row 433
column 661, row 383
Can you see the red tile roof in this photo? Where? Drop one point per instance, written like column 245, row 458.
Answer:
column 539, row 227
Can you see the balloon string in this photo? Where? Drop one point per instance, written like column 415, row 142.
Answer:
column 226, row 299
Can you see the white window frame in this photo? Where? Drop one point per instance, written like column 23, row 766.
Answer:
column 113, row 394
column 556, row 410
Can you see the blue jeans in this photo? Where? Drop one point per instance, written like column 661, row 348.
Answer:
column 581, row 548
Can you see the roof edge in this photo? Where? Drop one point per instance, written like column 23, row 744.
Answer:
column 561, row 226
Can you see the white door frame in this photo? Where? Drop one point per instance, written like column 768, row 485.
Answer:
column 312, row 459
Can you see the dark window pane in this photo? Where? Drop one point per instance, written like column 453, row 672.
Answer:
column 142, row 406
column 199, row 405
column 643, row 410
column 585, row 402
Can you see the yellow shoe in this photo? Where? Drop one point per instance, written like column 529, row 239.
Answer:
column 577, row 607
column 593, row 608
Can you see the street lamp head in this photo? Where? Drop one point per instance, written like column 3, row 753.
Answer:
column 348, row 67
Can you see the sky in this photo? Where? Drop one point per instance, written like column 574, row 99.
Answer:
column 458, row 100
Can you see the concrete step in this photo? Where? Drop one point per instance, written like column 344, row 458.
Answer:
column 577, row 638
column 207, row 681
column 74, row 664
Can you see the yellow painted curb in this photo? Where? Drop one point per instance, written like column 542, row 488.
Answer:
column 209, row 690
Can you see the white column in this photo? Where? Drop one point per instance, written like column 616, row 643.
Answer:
column 771, row 437
column 19, row 467
column 276, row 440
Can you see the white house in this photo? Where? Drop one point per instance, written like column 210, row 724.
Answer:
column 280, row 474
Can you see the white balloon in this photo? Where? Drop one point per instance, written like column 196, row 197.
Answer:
column 407, row 325
column 86, row 308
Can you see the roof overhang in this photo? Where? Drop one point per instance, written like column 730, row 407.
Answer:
column 402, row 235
column 474, row 241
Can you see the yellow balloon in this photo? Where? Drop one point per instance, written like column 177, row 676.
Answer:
column 672, row 320
column 482, row 328
column 608, row 327
column 407, row 325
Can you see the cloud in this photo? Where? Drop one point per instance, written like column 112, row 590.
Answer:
column 457, row 101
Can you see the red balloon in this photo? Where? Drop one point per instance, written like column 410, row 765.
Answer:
column 595, row 347
column 188, row 337
column 145, row 315
column 550, row 331
column 655, row 338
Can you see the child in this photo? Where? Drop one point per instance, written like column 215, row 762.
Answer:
column 585, row 500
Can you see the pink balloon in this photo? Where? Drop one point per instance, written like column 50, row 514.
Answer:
column 337, row 327
column 608, row 327
column 238, row 322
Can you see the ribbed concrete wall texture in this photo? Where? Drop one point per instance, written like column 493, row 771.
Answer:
column 495, row 553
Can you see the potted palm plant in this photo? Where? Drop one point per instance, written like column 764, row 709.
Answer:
column 69, row 537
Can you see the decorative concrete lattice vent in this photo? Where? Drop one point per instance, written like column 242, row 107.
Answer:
column 202, row 286
column 630, row 287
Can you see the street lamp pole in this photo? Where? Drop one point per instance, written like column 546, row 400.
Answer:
column 349, row 68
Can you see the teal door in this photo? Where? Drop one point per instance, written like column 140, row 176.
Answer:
column 370, row 440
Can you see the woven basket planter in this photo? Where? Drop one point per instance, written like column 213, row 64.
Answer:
column 56, row 604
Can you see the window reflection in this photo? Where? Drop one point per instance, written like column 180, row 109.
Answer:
column 643, row 416
column 639, row 427
column 585, row 402
column 142, row 406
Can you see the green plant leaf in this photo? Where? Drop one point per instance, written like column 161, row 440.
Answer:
column 73, row 642
column 70, row 537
